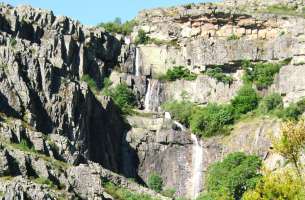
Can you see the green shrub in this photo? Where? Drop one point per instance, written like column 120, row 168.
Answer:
column 212, row 120
column 282, row 9
column 24, row 145
column 261, row 74
column 142, row 37
column 179, row 72
column 221, row 194
column 270, row 103
column 230, row 178
column 284, row 184
column 218, row 74
column 90, row 81
column 155, row 182
column 123, row 97
column 293, row 111
column 245, row 101
column 169, row 192
column 120, row 193
column 159, row 42
column 117, row 27
column 188, row 6
column 13, row 42
column 232, row 37
column 180, row 111
column 106, row 87
column 44, row 181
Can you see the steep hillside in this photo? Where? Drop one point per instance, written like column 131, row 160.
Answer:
column 89, row 114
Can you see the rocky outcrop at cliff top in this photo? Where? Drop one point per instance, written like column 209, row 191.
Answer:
column 208, row 35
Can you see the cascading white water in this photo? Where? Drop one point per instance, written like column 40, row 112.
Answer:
column 137, row 62
column 197, row 164
column 180, row 126
column 152, row 97
column 147, row 96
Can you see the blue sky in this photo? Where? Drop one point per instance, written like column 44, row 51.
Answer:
column 95, row 11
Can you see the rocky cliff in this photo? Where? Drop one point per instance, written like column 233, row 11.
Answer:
column 50, row 119
column 61, row 138
column 202, row 37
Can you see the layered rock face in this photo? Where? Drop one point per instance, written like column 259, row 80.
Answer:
column 200, row 37
column 204, row 36
column 50, row 119
column 43, row 58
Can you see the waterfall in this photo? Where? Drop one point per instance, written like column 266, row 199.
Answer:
column 137, row 62
column 152, row 97
column 197, row 164
column 180, row 126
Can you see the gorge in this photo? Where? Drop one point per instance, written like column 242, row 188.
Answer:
column 87, row 114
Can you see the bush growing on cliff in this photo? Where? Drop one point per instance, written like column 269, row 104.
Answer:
column 180, row 111
column 120, row 193
column 218, row 74
column 261, row 74
column 230, row 178
column 90, row 81
column 282, row 9
column 293, row 111
column 245, row 101
column 277, row 185
column 212, row 120
column 291, row 143
column 123, row 97
column 118, row 27
column 155, row 182
column 270, row 103
column 142, row 37
column 233, row 37
column 178, row 73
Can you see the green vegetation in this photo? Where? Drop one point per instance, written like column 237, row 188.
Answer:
column 107, row 83
column 188, row 6
column 169, row 192
column 219, row 75
column 230, row 178
column 13, row 42
column 262, row 74
column 142, row 37
column 212, row 120
column 118, row 27
column 283, row 185
column 44, row 181
column 293, row 111
column 233, row 37
column 123, row 97
column 245, row 101
column 180, row 110
column 90, row 81
column 281, row 9
column 177, row 73
column 291, row 143
column 24, row 145
column 119, row 193
column 270, row 103
column 155, row 182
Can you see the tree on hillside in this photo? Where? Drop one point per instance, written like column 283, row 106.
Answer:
column 291, row 142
